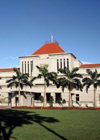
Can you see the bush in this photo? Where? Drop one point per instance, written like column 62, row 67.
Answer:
column 59, row 100
column 63, row 101
column 51, row 101
column 41, row 98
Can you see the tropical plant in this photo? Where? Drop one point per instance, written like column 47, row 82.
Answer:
column 56, row 79
column 93, row 79
column 51, row 101
column 70, row 80
column 59, row 100
column 41, row 98
column 19, row 80
column 63, row 101
column 47, row 76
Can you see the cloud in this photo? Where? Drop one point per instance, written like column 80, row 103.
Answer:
column 11, row 58
column 85, row 62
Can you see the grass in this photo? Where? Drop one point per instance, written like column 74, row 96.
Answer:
column 38, row 124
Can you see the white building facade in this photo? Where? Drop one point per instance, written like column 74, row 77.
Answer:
column 55, row 57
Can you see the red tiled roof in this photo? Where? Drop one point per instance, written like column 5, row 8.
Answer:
column 90, row 65
column 7, row 69
column 49, row 48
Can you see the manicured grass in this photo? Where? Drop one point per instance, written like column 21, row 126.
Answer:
column 28, row 124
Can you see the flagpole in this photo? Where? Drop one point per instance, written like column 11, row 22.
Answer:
column 52, row 37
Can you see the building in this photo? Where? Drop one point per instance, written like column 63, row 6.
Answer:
column 53, row 55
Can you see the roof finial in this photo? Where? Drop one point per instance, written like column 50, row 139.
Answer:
column 52, row 37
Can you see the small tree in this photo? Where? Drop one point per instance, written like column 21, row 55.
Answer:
column 59, row 100
column 63, row 101
column 41, row 98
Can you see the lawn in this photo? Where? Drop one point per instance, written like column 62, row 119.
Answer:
column 21, row 124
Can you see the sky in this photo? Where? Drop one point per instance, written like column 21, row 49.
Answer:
column 25, row 25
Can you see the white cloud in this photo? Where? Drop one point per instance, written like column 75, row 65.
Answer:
column 85, row 62
column 11, row 57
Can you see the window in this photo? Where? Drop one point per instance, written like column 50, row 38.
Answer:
column 9, row 97
column 61, row 63
column 31, row 67
column 68, row 63
column 37, row 96
column 57, row 97
column 48, row 97
column 25, row 66
column 64, row 63
column 57, row 64
column 16, row 100
column 28, row 66
column 22, row 67
column 77, row 97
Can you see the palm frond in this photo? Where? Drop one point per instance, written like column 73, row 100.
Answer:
column 74, row 70
column 11, row 84
column 47, row 82
column 29, row 83
column 18, row 73
column 33, row 79
column 75, row 75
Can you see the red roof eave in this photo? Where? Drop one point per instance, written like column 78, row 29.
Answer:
column 89, row 65
column 7, row 69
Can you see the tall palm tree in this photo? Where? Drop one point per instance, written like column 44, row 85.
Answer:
column 93, row 79
column 19, row 81
column 47, row 76
column 70, row 80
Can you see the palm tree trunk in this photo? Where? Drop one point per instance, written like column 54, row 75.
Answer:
column 44, row 103
column 69, row 98
column 19, row 99
column 94, row 97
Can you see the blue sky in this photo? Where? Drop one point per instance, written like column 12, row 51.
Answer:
column 25, row 25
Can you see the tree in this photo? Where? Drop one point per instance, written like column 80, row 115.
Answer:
column 19, row 81
column 70, row 80
column 47, row 76
column 93, row 79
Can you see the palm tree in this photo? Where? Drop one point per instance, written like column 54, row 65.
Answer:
column 70, row 80
column 92, row 80
column 19, row 81
column 47, row 76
